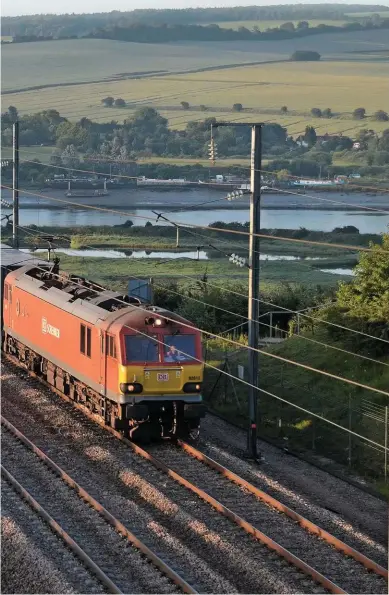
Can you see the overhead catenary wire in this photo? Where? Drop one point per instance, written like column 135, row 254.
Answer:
column 36, row 232
column 246, row 233
column 246, row 347
column 118, row 161
column 192, row 225
column 266, row 392
column 296, row 193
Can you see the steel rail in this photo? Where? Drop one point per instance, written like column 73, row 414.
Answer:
column 295, row 516
column 283, row 552
column 248, row 527
column 114, row 522
column 58, row 530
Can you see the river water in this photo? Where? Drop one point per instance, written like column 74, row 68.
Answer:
column 315, row 211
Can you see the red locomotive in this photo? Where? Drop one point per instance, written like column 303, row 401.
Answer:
column 137, row 366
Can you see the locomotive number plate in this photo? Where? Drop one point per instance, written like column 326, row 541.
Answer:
column 162, row 377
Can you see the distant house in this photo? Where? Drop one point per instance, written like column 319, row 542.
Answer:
column 356, row 146
column 300, row 142
column 7, row 38
column 322, row 140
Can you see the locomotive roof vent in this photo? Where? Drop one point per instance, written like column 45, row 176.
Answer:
column 111, row 301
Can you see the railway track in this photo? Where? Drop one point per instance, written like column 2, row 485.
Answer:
column 335, row 565
column 293, row 538
column 34, row 557
column 100, row 540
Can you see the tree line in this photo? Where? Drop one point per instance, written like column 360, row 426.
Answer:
column 147, row 134
column 78, row 25
column 163, row 33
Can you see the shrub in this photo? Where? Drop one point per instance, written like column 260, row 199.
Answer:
column 108, row 101
column 305, row 56
column 359, row 113
column 381, row 116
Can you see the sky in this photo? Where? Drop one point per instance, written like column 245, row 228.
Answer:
column 18, row 7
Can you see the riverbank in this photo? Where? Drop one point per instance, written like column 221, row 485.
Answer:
column 217, row 243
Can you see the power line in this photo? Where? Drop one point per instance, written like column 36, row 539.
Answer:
column 194, row 226
column 384, row 212
column 36, row 233
column 265, row 171
column 246, row 347
column 274, row 396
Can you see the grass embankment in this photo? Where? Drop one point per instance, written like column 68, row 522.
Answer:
column 337, row 401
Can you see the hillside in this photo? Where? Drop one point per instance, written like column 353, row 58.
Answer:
column 64, row 62
column 337, row 401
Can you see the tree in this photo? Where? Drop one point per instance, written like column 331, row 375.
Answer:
column 310, row 136
column 108, row 101
column 119, row 102
column 55, row 157
column 289, row 26
column 367, row 296
column 284, row 109
column 301, row 25
column 316, row 112
column 13, row 113
column 327, row 113
column 69, row 157
column 305, row 56
column 383, row 143
column 366, row 138
column 203, row 108
column 237, row 107
column 184, row 105
column 283, row 175
column 381, row 116
column 359, row 113
column 148, row 224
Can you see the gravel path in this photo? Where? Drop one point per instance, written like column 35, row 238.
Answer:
column 33, row 558
column 210, row 552
column 351, row 514
column 340, row 569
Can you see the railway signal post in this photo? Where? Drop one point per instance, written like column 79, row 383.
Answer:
column 254, row 274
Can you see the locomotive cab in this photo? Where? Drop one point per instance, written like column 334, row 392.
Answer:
column 161, row 378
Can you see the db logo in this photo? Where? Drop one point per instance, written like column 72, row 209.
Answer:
column 48, row 329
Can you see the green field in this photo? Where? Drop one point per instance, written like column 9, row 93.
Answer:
column 74, row 76
column 69, row 62
column 262, row 89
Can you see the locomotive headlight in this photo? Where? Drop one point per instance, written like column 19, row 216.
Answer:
column 153, row 321
column 192, row 387
column 134, row 387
